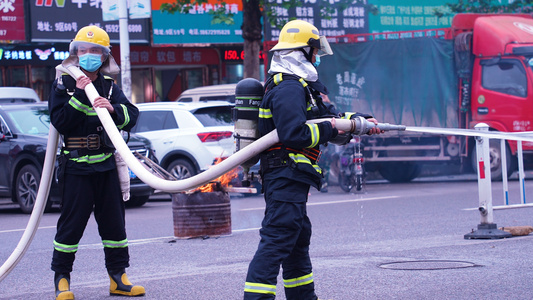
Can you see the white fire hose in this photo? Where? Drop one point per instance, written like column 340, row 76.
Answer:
column 357, row 126
column 38, row 208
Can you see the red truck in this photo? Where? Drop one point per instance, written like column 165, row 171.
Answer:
column 479, row 70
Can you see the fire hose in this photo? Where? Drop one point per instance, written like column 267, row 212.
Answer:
column 356, row 126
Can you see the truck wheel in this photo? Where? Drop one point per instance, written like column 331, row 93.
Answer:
column 181, row 169
column 399, row 171
column 495, row 160
column 26, row 186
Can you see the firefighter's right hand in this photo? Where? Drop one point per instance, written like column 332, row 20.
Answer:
column 82, row 82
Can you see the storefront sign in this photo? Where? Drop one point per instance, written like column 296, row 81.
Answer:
column 59, row 20
column 196, row 26
column 12, row 27
column 144, row 55
column 352, row 20
column 137, row 9
column 14, row 55
column 409, row 15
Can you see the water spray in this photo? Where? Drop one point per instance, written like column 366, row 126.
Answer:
column 514, row 136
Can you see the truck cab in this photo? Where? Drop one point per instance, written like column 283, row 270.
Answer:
column 501, row 77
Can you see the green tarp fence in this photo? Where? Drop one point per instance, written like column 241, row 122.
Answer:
column 405, row 81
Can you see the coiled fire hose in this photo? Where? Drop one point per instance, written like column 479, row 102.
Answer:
column 356, row 126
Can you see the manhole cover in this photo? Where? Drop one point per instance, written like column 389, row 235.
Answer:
column 427, row 265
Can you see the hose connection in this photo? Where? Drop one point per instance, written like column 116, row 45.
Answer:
column 362, row 126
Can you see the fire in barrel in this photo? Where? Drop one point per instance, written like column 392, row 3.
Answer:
column 205, row 211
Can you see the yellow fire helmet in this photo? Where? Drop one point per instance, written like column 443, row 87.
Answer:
column 299, row 34
column 93, row 36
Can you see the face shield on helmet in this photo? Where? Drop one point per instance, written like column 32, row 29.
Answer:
column 90, row 56
column 322, row 45
column 79, row 48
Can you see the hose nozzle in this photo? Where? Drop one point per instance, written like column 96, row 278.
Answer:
column 362, row 126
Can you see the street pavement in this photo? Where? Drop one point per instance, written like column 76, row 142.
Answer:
column 391, row 241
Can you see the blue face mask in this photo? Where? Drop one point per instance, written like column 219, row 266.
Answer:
column 317, row 61
column 90, row 61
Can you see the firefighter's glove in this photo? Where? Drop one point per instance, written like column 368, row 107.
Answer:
column 341, row 139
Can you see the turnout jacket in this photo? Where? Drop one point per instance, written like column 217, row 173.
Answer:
column 286, row 106
column 72, row 115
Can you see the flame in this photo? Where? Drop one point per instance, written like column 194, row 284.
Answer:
column 222, row 181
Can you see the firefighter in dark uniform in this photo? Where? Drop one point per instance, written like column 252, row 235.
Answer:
column 88, row 173
column 289, row 168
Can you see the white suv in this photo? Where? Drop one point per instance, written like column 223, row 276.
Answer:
column 220, row 92
column 18, row 95
column 187, row 137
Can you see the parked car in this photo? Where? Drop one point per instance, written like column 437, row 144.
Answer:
column 23, row 139
column 221, row 92
column 187, row 137
column 18, row 95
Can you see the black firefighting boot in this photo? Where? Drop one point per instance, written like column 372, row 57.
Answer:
column 62, row 283
column 121, row 285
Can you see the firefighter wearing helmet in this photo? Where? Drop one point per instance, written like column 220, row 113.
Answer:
column 87, row 171
column 289, row 168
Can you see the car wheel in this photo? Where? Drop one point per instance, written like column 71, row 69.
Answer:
column 26, row 188
column 181, row 169
column 137, row 201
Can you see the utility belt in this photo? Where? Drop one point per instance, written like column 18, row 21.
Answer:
column 90, row 142
column 95, row 141
column 277, row 156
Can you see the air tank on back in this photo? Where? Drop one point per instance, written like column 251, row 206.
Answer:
column 248, row 95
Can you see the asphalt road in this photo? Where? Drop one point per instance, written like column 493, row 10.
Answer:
column 393, row 241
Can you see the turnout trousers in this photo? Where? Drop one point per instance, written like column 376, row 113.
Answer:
column 82, row 194
column 285, row 238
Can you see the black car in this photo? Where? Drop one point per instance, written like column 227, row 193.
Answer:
column 23, row 139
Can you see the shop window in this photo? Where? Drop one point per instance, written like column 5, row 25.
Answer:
column 17, row 76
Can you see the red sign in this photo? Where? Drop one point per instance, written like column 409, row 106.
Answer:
column 238, row 55
column 12, row 20
column 144, row 55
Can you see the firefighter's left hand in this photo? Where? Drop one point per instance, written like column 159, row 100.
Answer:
column 104, row 103
column 333, row 125
column 374, row 130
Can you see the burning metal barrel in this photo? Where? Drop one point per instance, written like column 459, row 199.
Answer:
column 201, row 214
